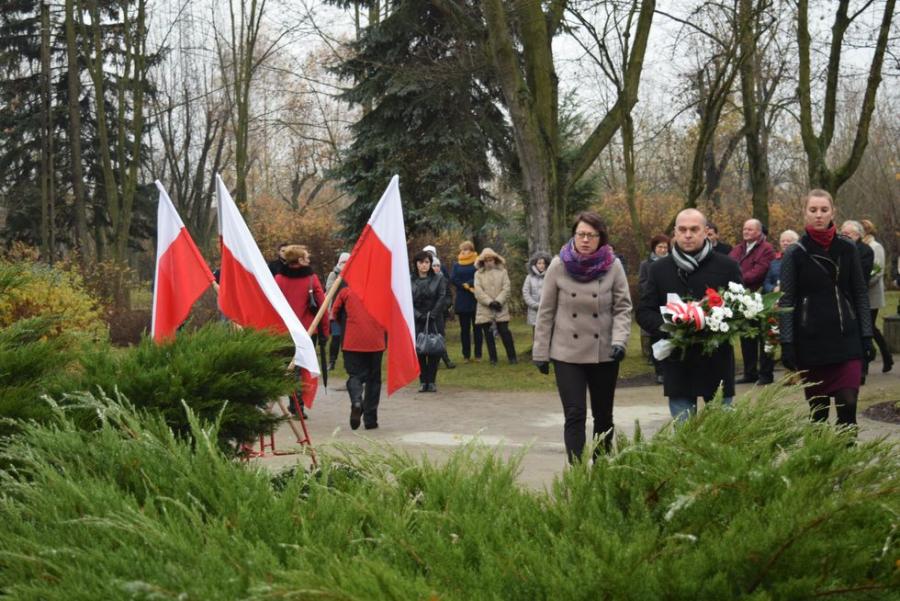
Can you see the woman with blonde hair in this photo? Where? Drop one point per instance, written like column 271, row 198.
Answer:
column 300, row 285
column 826, row 327
column 876, row 292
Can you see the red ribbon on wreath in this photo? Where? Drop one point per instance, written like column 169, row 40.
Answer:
column 686, row 313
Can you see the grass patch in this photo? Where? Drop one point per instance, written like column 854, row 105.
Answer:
column 750, row 503
column 505, row 377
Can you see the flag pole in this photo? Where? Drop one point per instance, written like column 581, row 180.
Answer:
column 284, row 411
column 329, row 296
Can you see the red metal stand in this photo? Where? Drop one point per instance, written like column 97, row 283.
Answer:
column 247, row 452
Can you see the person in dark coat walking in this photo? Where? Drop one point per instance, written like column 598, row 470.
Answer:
column 659, row 248
column 448, row 302
column 363, row 345
column 429, row 292
column 826, row 327
column 463, row 278
column 712, row 233
column 691, row 267
column 754, row 255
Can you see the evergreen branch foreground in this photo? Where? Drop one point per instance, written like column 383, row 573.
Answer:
column 752, row 503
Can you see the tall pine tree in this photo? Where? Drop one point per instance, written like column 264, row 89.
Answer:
column 430, row 114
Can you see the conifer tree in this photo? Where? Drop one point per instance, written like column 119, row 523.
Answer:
column 434, row 120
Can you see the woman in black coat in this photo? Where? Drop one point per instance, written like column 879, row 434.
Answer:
column 826, row 328
column 429, row 292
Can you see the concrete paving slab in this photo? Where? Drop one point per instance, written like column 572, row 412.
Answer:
column 433, row 424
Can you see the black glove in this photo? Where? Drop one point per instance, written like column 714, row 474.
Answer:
column 788, row 357
column 495, row 305
column 618, row 353
column 868, row 350
column 543, row 367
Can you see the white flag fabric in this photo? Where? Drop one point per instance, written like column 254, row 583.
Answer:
column 248, row 293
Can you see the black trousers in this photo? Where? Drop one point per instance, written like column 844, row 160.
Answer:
column 757, row 364
column 428, row 366
column 364, row 382
column 334, row 347
column 880, row 341
column 505, row 336
column 468, row 330
column 574, row 380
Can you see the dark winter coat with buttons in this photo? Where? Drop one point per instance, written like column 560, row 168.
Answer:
column 579, row 322
column 690, row 373
column 826, row 297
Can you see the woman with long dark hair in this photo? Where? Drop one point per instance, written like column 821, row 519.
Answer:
column 583, row 325
column 429, row 292
column 826, row 328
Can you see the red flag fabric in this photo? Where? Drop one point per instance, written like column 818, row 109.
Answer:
column 378, row 272
column 248, row 293
column 181, row 273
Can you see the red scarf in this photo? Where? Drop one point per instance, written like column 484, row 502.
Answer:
column 822, row 237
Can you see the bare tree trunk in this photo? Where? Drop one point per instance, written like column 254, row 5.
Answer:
column 74, row 91
column 528, row 80
column 48, row 245
column 630, row 176
column 754, row 121
column 816, row 146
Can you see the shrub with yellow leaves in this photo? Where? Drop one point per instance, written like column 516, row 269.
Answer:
column 30, row 289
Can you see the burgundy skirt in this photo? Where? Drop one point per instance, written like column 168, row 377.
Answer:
column 831, row 378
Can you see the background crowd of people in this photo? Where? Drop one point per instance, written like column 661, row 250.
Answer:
column 580, row 308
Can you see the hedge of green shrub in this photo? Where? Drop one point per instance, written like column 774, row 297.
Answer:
column 215, row 369
column 754, row 503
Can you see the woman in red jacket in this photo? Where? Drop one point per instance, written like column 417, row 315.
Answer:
column 299, row 284
column 363, row 346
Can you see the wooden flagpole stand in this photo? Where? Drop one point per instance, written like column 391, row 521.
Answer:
column 302, row 437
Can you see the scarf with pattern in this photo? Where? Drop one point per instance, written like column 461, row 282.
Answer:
column 689, row 263
column 586, row 268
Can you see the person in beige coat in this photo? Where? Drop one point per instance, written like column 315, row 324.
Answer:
column 492, row 294
column 583, row 325
column 876, row 293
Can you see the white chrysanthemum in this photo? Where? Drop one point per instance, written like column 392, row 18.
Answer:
column 724, row 327
column 735, row 287
column 728, row 313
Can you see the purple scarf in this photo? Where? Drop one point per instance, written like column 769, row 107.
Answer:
column 586, row 268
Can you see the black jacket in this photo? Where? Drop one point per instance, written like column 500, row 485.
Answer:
column 722, row 247
column 429, row 299
column 691, row 373
column 866, row 258
column 826, row 298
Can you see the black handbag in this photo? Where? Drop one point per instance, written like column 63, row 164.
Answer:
column 428, row 343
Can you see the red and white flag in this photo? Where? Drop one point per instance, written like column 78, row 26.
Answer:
column 378, row 272
column 181, row 273
column 248, row 293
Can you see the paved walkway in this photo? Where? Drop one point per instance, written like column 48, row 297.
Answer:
column 433, row 424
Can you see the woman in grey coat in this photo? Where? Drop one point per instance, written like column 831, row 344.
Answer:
column 534, row 281
column 583, row 326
